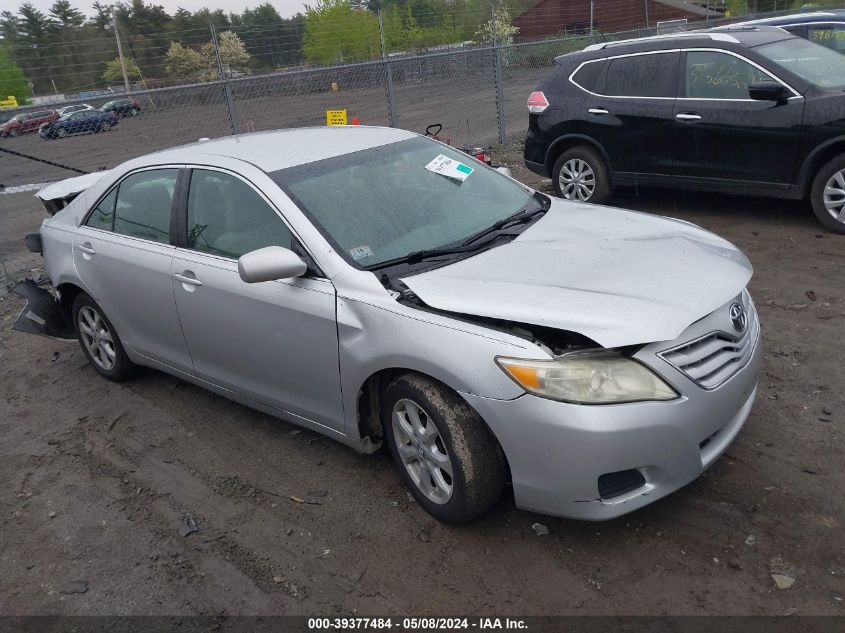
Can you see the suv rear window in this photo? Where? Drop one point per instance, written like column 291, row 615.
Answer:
column 646, row 75
column 587, row 75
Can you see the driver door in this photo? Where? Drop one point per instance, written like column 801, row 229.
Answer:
column 274, row 342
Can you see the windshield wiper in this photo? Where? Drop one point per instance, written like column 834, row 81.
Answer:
column 519, row 217
column 473, row 242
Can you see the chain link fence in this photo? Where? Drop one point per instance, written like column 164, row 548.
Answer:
column 476, row 92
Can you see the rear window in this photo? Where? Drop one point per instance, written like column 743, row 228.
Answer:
column 587, row 75
column 650, row 75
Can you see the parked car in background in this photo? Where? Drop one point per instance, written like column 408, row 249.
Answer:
column 746, row 110
column 27, row 122
column 79, row 107
column 382, row 288
column 822, row 27
column 78, row 123
column 122, row 107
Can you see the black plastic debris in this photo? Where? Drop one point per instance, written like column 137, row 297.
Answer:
column 74, row 586
column 187, row 525
column 42, row 314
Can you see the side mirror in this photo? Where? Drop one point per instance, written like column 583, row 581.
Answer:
column 768, row 91
column 269, row 264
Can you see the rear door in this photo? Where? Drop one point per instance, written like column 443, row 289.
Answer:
column 123, row 255
column 725, row 139
column 629, row 112
column 274, row 342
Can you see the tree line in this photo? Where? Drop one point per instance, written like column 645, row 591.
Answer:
column 63, row 50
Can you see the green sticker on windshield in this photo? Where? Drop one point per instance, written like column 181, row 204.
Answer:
column 464, row 168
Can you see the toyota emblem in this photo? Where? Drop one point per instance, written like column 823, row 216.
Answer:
column 738, row 317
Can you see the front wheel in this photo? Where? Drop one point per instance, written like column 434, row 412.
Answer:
column 134, row 112
column 827, row 195
column 445, row 453
column 61, row 133
column 99, row 341
column 580, row 175
column 13, row 133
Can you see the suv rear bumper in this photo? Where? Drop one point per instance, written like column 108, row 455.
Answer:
column 537, row 168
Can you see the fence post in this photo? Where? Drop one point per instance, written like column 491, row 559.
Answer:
column 500, row 95
column 388, row 75
column 645, row 4
column 227, row 90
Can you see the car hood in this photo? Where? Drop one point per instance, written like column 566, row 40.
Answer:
column 617, row 277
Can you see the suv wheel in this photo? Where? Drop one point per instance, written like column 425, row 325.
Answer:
column 579, row 174
column 827, row 195
column 442, row 448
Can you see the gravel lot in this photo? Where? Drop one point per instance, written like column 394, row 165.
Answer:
column 96, row 476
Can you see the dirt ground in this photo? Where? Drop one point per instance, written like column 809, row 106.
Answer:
column 95, row 477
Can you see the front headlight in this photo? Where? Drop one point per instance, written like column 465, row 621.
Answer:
column 588, row 378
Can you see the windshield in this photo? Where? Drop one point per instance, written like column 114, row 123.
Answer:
column 812, row 62
column 383, row 203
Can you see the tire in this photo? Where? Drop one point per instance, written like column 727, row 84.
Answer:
column 97, row 336
column 13, row 132
column 134, row 112
column 590, row 172
column 61, row 133
column 830, row 178
column 459, row 442
column 105, row 127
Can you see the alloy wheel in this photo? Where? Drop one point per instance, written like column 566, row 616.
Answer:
column 422, row 451
column 577, row 180
column 834, row 196
column 97, row 337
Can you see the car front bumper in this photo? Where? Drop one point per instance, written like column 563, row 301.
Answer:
column 557, row 451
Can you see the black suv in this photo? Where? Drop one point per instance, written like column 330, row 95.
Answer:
column 122, row 107
column 749, row 110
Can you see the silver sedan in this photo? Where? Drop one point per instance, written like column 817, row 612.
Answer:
column 382, row 288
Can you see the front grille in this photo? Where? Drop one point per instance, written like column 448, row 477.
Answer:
column 617, row 484
column 712, row 359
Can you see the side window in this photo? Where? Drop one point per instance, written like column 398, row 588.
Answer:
column 227, row 217
column 102, row 217
column 651, row 75
column 714, row 75
column 588, row 73
column 829, row 35
column 143, row 205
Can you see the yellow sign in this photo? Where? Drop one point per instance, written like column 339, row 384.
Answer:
column 335, row 117
column 9, row 102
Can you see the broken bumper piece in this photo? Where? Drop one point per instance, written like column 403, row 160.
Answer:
column 42, row 313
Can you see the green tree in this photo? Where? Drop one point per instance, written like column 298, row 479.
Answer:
column 13, row 82
column 233, row 55
column 64, row 17
column 114, row 73
column 335, row 32
column 184, row 63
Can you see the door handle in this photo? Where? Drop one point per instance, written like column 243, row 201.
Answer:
column 690, row 117
column 598, row 111
column 87, row 248
column 188, row 278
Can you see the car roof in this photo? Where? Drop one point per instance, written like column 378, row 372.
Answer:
column 798, row 18
column 280, row 149
column 729, row 37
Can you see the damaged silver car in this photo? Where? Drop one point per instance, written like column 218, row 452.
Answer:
column 380, row 287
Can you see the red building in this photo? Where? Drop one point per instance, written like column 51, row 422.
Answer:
column 553, row 17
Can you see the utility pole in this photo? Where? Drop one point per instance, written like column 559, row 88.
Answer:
column 592, row 12
column 388, row 74
column 120, row 51
column 645, row 3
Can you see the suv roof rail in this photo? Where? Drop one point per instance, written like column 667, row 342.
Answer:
column 721, row 37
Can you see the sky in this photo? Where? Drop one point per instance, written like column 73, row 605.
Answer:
column 286, row 8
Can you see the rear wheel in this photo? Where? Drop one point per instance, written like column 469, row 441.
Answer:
column 447, row 456
column 827, row 195
column 99, row 341
column 105, row 127
column 580, row 175
column 134, row 112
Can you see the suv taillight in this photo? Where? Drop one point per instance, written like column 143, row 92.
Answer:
column 537, row 102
